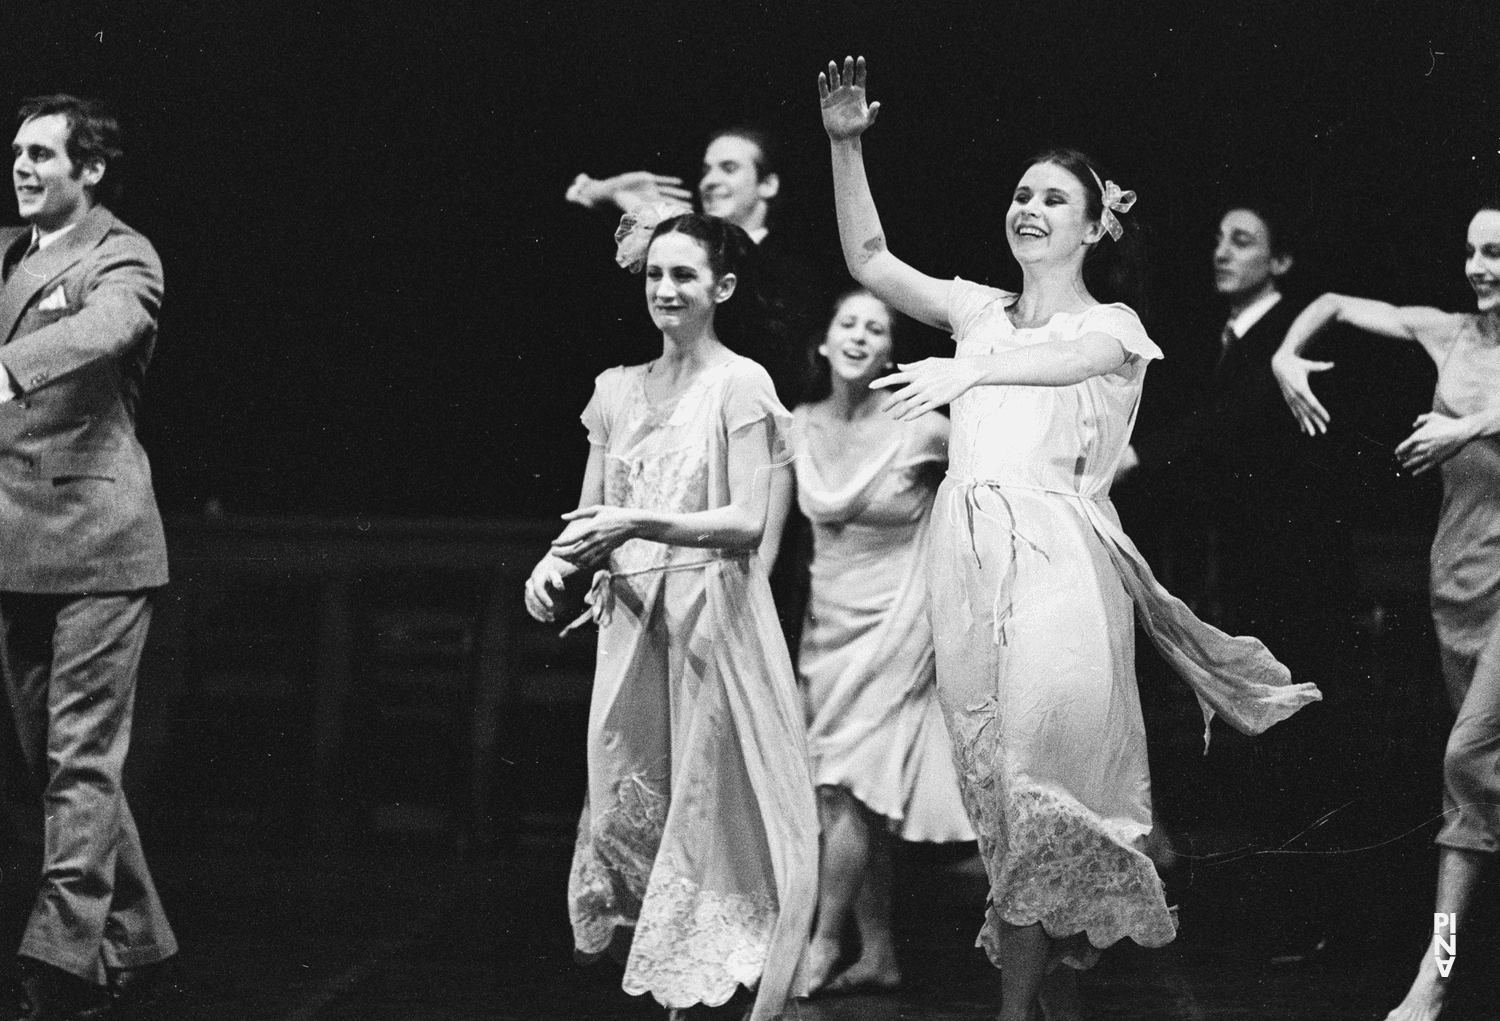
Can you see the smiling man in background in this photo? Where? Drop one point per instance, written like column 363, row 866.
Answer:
column 81, row 553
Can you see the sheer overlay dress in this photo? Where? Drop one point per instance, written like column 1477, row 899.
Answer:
column 700, row 832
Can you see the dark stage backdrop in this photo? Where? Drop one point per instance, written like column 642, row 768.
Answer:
column 378, row 302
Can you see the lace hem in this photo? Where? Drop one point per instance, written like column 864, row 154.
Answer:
column 612, row 862
column 696, row 946
column 1062, row 866
column 1052, row 860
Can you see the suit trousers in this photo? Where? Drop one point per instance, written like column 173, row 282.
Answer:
column 70, row 666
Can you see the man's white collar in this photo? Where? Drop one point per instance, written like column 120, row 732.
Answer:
column 1252, row 313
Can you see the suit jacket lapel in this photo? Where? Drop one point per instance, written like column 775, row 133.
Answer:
column 35, row 273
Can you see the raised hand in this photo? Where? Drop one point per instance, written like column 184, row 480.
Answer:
column 1292, row 372
column 1437, row 438
column 927, row 385
column 627, row 190
column 845, row 113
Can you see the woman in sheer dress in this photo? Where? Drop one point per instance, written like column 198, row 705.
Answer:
column 880, row 753
column 1032, row 579
column 697, row 850
column 1461, row 436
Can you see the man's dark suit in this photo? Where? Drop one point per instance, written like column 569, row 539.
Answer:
column 81, row 549
column 1240, row 464
column 1240, row 439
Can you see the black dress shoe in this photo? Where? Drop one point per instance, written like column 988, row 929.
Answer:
column 134, row 989
column 51, row 994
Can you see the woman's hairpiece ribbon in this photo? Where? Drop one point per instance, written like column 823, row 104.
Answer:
column 634, row 235
column 1114, row 200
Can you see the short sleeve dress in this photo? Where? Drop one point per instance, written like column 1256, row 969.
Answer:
column 700, row 830
column 1032, row 587
column 866, row 660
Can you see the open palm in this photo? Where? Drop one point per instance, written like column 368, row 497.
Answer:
column 845, row 113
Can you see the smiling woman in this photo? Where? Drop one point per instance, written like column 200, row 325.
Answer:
column 1032, row 581
column 880, row 751
column 698, row 844
column 1461, row 435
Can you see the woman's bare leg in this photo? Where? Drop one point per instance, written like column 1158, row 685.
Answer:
column 876, row 967
column 1059, row 997
column 841, row 873
column 1022, row 950
column 1458, row 875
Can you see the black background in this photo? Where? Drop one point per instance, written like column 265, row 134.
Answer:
column 378, row 302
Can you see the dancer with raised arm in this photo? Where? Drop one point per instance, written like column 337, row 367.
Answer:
column 1032, row 579
column 1461, row 436
column 881, row 757
column 697, row 849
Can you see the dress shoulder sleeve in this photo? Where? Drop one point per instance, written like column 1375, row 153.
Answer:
column 1121, row 323
column 599, row 411
column 967, row 303
column 750, row 398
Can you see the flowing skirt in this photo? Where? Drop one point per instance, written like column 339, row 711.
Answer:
column 867, row 663
column 1034, row 632
column 700, row 831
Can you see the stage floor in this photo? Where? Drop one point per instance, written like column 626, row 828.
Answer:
column 406, row 933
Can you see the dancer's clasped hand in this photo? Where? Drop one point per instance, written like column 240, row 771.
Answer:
column 1438, row 437
column 593, row 533
column 543, row 588
column 846, row 115
column 927, row 385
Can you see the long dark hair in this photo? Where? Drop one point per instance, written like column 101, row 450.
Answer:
column 745, row 321
column 817, row 377
column 1113, row 270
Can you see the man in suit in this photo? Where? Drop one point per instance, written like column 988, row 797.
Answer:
column 1237, row 461
column 1237, row 464
column 81, row 553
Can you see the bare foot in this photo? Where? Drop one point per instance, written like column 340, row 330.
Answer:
column 1059, row 997
column 1424, row 1000
column 818, row 962
column 872, row 973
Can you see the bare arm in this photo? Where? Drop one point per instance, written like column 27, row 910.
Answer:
column 597, row 530
column 1415, row 323
column 845, row 118
column 626, row 190
column 783, row 488
column 1429, row 327
column 933, row 382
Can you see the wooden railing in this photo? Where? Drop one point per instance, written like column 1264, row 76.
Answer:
column 428, row 612
column 365, row 634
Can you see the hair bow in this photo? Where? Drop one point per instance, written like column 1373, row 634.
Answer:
column 1114, row 200
column 634, row 234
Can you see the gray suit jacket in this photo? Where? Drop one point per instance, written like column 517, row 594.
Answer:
column 78, row 325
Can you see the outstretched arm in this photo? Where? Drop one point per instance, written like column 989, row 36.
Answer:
column 845, row 118
column 933, row 382
column 626, row 190
column 1429, row 327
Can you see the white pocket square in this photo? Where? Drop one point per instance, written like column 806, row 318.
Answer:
column 56, row 300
